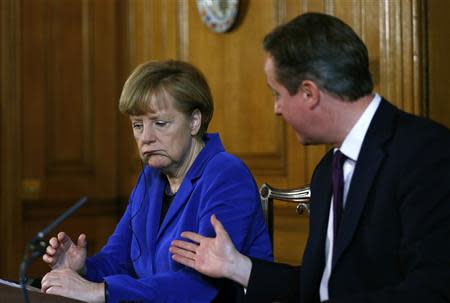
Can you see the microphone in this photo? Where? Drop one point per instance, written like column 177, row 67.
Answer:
column 36, row 247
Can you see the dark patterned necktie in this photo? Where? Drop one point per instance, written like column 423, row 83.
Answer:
column 338, row 190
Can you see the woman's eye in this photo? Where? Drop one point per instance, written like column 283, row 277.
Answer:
column 161, row 123
column 137, row 125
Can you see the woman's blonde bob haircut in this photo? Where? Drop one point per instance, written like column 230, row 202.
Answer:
column 159, row 81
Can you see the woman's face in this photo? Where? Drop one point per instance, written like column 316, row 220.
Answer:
column 165, row 135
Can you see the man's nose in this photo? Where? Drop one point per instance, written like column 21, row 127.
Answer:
column 277, row 108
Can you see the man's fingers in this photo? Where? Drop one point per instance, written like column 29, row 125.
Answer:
column 184, row 245
column 179, row 250
column 183, row 260
column 192, row 236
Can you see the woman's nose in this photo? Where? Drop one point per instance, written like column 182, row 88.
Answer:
column 148, row 134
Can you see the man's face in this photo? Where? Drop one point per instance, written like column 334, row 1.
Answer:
column 293, row 108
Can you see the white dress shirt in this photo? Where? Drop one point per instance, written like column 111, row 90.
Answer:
column 350, row 148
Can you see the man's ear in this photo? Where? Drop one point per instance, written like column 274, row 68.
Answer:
column 311, row 93
column 196, row 122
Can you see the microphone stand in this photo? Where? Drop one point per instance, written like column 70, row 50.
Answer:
column 36, row 247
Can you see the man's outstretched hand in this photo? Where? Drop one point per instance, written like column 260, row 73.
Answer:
column 215, row 257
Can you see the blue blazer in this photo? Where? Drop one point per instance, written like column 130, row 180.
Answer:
column 394, row 241
column 136, row 263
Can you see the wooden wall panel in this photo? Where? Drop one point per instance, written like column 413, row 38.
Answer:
column 399, row 61
column 10, row 87
column 63, row 64
column 438, row 43
column 69, row 113
column 3, row 224
column 69, row 110
column 60, row 68
column 391, row 31
column 233, row 64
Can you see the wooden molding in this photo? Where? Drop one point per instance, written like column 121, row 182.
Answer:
column 10, row 137
column 50, row 210
column 65, row 119
column 183, row 30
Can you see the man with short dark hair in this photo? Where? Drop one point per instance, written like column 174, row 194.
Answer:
column 380, row 199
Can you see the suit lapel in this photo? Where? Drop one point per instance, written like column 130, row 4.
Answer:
column 320, row 200
column 365, row 171
column 369, row 161
column 314, row 255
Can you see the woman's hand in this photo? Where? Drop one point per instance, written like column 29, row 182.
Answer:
column 66, row 282
column 215, row 257
column 63, row 253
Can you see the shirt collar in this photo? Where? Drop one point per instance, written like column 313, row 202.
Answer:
column 354, row 140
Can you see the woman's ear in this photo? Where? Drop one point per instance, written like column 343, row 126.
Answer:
column 196, row 122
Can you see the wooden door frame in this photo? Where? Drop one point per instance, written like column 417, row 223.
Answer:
column 10, row 137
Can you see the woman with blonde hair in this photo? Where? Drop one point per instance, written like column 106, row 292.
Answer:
column 187, row 176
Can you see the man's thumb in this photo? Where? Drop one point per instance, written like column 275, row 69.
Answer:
column 218, row 227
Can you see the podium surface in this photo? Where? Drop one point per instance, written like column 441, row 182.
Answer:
column 12, row 294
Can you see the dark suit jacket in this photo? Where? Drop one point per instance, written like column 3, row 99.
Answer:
column 394, row 241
